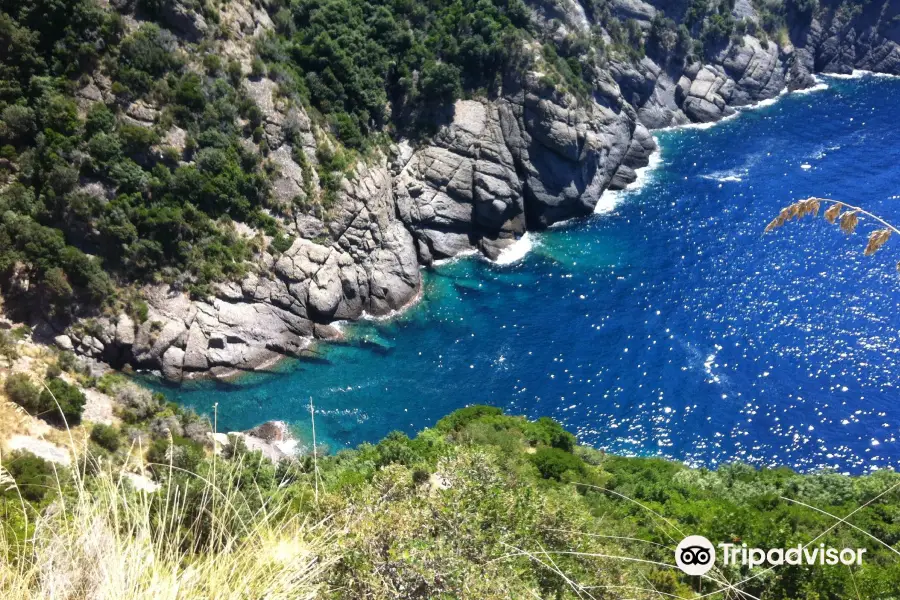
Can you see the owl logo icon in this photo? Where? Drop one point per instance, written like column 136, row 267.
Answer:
column 695, row 555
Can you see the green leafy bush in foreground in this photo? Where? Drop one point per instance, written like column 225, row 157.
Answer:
column 485, row 505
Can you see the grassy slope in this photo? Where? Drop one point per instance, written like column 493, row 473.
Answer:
column 482, row 506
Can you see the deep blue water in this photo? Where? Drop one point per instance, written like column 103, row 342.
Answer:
column 668, row 326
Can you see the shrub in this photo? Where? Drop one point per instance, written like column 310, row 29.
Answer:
column 8, row 349
column 66, row 360
column 281, row 243
column 61, row 403
column 183, row 453
column 458, row 419
column 137, row 404
column 395, row 448
column 257, row 68
column 19, row 120
column 549, row 432
column 145, row 56
column 35, row 477
column 137, row 139
column 23, row 391
column 106, row 436
column 99, row 120
column 441, row 82
column 553, row 463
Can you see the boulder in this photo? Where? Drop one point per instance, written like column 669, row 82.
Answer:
column 173, row 363
column 64, row 342
column 125, row 330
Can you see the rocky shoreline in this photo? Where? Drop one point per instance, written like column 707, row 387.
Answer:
column 522, row 161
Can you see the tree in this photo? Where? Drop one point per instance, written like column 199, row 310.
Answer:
column 440, row 82
column 553, row 463
column 35, row 478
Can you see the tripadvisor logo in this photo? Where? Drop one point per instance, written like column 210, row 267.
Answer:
column 695, row 555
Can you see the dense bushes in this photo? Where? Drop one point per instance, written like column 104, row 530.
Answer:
column 350, row 58
column 553, row 463
column 169, row 222
column 97, row 197
column 482, row 481
column 35, row 478
column 106, row 436
column 21, row 390
column 59, row 402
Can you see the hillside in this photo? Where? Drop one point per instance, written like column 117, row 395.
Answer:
column 204, row 187
column 482, row 506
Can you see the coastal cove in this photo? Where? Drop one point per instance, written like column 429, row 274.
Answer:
column 667, row 325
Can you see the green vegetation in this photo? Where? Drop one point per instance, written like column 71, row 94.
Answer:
column 484, row 505
column 8, row 349
column 61, row 403
column 23, row 391
column 58, row 403
column 34, row 477
column 106, row 436
column 166, row 220
column 348, row 59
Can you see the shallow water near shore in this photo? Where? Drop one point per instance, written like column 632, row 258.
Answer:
column 667, row 325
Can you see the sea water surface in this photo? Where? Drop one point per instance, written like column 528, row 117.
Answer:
column 665, row 325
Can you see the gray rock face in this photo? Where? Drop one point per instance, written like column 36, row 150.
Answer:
column 463, row 186
column 530, row 159
column 183, row 19
column 844, row 40
column 837, row 40
column 568, row 153
column 375, row 252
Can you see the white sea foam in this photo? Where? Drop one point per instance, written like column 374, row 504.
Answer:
column 453, row 259
column 821, row 85
column 611, row 198
column 734, row 175
column 764, row 103
column 708, row 125
column 365, row 316
column 517, row 251
column 859, row 74
column 288, row 447
column 561, row 224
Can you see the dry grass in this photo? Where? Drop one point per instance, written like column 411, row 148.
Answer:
column 109, row 542
column 843, row 215
column 102, row 539
column 13, row 419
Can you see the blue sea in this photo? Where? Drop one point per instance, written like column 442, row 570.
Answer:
column 668, row 324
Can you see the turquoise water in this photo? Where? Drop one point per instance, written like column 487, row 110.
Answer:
column 667, row 326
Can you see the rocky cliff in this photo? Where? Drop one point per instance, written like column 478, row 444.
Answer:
column 529, row 157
